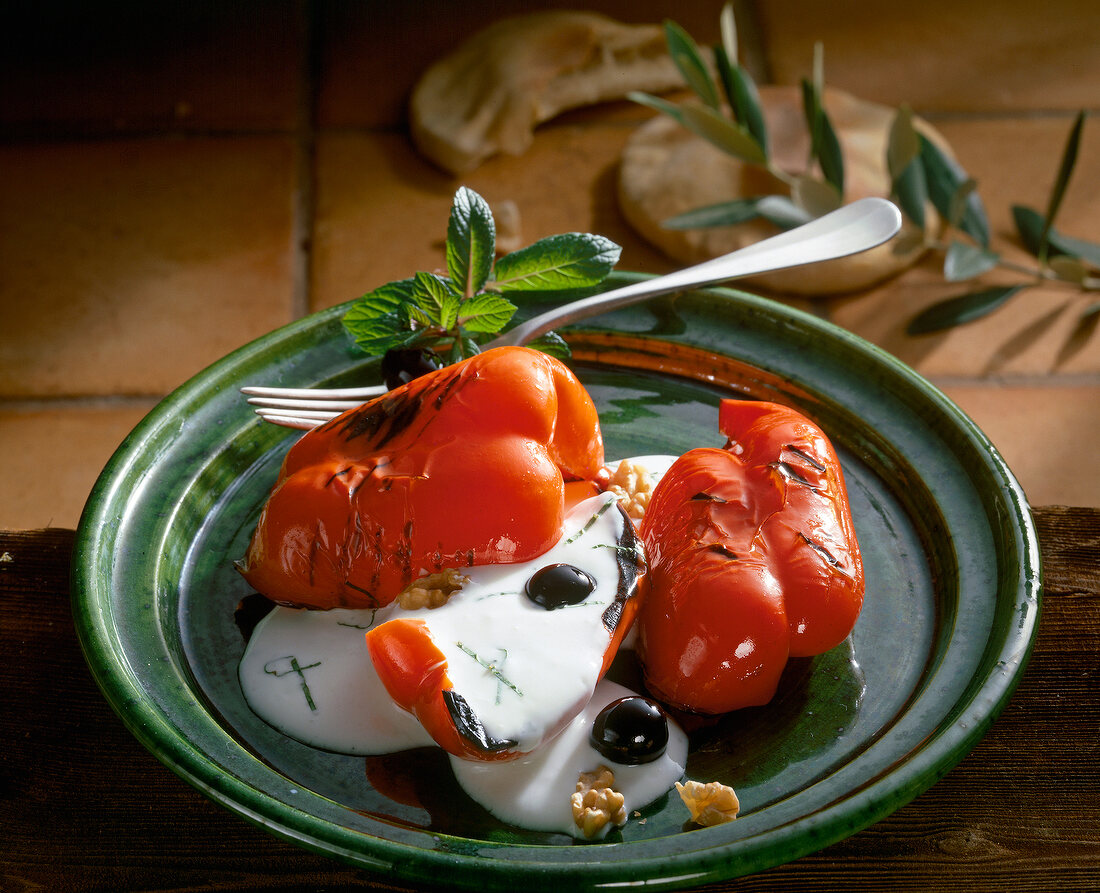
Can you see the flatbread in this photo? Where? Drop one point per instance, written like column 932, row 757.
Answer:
column 488, row 95
column 666, row 170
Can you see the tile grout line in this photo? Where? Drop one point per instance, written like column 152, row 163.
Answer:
column 304, row 196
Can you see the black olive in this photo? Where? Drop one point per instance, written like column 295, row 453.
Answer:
column 559, row 585
column 630, row 731
column 402, row 365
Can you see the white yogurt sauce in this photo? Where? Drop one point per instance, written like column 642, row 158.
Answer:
column 533, row 792
column 527, row 673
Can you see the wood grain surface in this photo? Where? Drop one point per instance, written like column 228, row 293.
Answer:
column 86, row 808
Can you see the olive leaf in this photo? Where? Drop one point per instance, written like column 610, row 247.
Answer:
column 689, row 60
column 743, row 97
column 816, row 197
column 1029, row 225
column 710, row 125
column 824, row 143
column 1069, row 269
column 964, row 261
column 776, row 209
column 1058, row 192
column 961, row 309
column 944, row 177
column 908, row 183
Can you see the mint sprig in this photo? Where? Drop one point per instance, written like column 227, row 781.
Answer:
column 454, row 315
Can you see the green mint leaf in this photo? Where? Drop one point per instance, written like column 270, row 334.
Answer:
column 961, row 309
column 1058, row 192
column 485, row 313
column 462, row 348
column 685, row 53
column 436, row 300
column 964, row 261
column 743, row 97
column 378, row 318
column 944, row 176
column 471, row 242
column 552, row 343
column 570, row 260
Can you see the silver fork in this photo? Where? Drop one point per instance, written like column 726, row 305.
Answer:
column 856, row 227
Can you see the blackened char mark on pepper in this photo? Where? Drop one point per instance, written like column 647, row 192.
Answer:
column 706, row 497
column 469, row 726
column 626, row 559
column 719, row 549
column 387, row 416
column 820, row 550
column 806, row 457
column 790, row 473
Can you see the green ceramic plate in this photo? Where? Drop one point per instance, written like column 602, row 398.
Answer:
column 952, row 605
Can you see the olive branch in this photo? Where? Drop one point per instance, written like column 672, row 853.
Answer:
column 726, row 111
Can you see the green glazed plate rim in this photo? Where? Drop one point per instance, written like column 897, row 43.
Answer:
column 133, row 654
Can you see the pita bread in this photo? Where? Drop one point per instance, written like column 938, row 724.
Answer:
column 666, row 170
column 488, row 95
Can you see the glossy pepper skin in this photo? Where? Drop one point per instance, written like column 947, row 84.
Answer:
column 463, row 466
column 753, row 559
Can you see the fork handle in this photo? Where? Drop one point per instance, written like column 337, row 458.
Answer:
column 859, row 226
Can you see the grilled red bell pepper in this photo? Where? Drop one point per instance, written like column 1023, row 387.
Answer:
column 463, row 466
column 753, row 559
column 414, row 672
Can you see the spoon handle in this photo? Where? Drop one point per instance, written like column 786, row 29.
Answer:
column 856, row 227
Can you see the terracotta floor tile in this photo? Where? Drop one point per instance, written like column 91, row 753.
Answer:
column 1042, row 329
column 942, row 55
column 74, row 68
column 382, row 210
column 1045, row 434
column 44, row 479
column 131, row 265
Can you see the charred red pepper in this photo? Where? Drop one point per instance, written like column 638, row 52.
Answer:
column 460, row 467
column 753, row 559
column 414, row 672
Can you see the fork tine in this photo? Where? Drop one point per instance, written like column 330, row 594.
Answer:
column 359, row 394
column 329, row 406
column 288, row 422
column 312, row 415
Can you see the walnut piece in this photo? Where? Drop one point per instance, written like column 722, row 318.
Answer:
column 712, row 803
column 489, row 94
column 596, row 804
column 432, row 591
column 633, row 487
